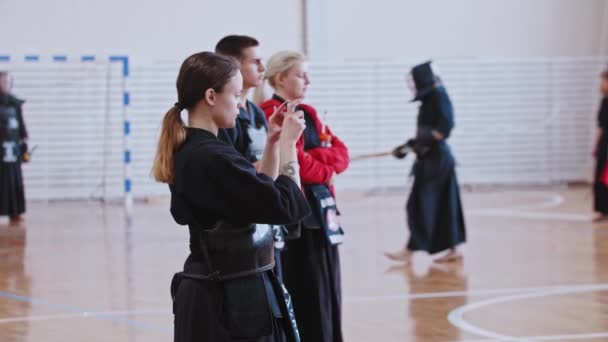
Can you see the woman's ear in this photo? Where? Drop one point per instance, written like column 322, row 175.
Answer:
column 279, row 79
column 210, row 96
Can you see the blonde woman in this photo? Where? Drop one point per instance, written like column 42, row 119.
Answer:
column 311, row 263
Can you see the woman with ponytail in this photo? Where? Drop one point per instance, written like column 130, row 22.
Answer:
column 227, row 290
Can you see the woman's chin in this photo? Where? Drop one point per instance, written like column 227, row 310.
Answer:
column 228, row 124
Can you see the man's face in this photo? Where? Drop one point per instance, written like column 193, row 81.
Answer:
column 252, row 67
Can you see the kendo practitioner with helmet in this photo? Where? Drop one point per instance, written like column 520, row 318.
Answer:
column 434, row 209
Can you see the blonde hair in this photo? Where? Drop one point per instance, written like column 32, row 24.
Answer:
column 172, row 135
column 280, row 63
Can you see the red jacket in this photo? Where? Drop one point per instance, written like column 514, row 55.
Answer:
column 318, row 164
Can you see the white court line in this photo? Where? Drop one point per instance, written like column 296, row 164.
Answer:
column 547, row 337
column 554, row 200
column 82, row 315
column 36, row 318
column 412, row 296
column 527, row 211
column 569, row 337
column 456, row 316
column 532, row 215
column 469, row 293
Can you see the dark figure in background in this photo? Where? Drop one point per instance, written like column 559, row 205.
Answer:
column 434, row 209
column 600, row 153
column 13, row 149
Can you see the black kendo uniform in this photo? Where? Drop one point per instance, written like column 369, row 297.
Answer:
column 249, row 133
column 434, row 209
column 227, row 291
column 249, row 138
column 12, row 147
column 600, row 190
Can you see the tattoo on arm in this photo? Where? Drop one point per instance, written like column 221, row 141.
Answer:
column 290, row 169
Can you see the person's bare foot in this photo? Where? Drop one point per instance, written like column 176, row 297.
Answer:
column 599, row 218
column 16, row 220
column 397, row 268
column 452, row 255
column 402, row 255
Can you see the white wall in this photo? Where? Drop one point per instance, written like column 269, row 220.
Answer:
column 534, row 125
column 398, row 29
column 339, row 29
column 519, row 91
column 146, row 30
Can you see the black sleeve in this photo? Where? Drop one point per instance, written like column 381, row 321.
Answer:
column 22, row 128
column 231, row 187
column 425, row 137
column 602, row 118
column 446, row 115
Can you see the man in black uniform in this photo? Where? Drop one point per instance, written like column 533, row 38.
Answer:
column 13, row 136
column 434, row 210
column 249, row 133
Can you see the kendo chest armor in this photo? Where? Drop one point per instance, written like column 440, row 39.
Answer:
column 9, row 134
column 258, row 141
column 254, row 133
column 235, row 251
column 324, row 213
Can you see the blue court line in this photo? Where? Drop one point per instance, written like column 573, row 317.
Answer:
column 89, row 313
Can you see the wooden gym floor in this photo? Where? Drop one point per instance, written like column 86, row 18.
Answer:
column 535, row 269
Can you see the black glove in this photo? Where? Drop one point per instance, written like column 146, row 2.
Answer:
column 401, row 151
column 411, row 145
